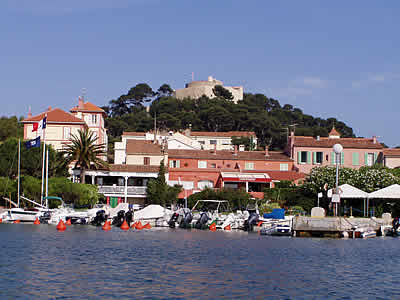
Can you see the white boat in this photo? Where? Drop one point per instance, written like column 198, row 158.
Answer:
column 23, row 215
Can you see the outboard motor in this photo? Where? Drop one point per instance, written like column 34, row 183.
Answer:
column 201, row 223
column 119, row 219
column 129, row 217
column 187, row 219
column 252, row 220
column 100, row 218
column 173, row 220
column 396, row 225
column 45, row 217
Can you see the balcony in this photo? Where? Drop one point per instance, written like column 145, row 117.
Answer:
column 132, row 190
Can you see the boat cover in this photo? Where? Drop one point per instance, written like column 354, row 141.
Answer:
column 153, row 211
column 277, row 213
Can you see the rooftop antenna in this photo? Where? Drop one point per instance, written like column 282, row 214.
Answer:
column 192, row 76
column 83, row 91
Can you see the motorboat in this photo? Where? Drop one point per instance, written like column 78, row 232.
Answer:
column 23, row 215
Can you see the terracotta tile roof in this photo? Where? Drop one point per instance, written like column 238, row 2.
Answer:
column 87, row 107
column 142, row 147
column 334, row 132
column 223, row 134
column 134, row 168
column 134, row 133
column 324, row 142
column 391, row 152
column 285, row 175
column 56, row 115
column 228, row 155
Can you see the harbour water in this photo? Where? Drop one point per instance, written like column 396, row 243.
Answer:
column 86, row 262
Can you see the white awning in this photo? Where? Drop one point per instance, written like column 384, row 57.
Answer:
column 392, row 192
column 347, row 191
column 245, row 177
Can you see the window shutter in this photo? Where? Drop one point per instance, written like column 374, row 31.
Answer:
column 178, row 163
column 375, row 157
column 356, row 159
column 342, row 158
column 308, row 157
column 171, row 164
column 314, row 157
column 366, row 159
column 299, row 157
column 333, row 160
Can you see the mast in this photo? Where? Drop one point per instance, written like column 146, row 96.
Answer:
column 19, row 168
column 43, row 166
column 47, row 176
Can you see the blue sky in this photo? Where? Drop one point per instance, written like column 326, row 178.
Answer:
column 330, row 58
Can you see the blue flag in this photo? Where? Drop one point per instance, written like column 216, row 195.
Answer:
column 33, row 143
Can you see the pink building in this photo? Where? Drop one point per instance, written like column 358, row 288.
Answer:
column 309, row 152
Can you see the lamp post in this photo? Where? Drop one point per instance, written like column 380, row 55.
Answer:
column 338, row 149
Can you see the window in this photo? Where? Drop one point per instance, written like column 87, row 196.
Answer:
column 205, row 183
column 370, row 159
column 249, row 166
column 94, row 119
column 202, row 164
column 213, row 166
column 146, row 161
column 318, row 157
column 67, row 133
column 226, row 142
column 304, row 157
column 174, row 164
column 213, row 142
column 201, row 142
column 284, row 167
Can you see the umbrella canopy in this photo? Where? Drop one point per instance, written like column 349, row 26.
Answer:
column 347, row 191
column 392, row 191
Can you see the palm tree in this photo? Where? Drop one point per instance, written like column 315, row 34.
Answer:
column 84, row 151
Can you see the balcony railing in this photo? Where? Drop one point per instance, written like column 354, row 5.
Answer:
column 132, row 190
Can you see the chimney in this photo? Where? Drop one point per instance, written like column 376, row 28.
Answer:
column 318, row 138
column 49, row 108
column 292, row 133
column 266, row 150
column 374, row 140
column 80, row 102
column 29, row 113
column 235, row 150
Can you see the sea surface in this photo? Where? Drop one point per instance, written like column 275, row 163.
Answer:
column 38, row 262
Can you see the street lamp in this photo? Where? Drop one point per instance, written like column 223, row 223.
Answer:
column 338, row 149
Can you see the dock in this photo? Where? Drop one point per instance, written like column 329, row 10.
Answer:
column 335, row 226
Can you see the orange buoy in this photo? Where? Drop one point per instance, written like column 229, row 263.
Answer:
column 213, row 227
column 227, row 227
column 125, row 226
column 61, row 226
column 259, row 223
column 17, row 221
column 37, row 222
column 139, row 225
column 106, row 226
column 1, row 220
column 134, row 225
column 68, row 222
column 147, row 226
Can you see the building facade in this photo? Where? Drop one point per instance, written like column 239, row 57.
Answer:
column 309, row 152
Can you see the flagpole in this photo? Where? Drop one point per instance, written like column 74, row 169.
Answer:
column 19, row 167
column 43, row 160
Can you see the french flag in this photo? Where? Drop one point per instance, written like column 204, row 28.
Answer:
column 40, row 125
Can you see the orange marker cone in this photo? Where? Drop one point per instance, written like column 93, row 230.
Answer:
column 147, row 226
column 213, row 227
column 125, row 226
column 106, row 226
column 37, row 222
column 61, row 226
column 227, row 227
column 17, row 221
column 68, row 222
column 134, row 225
column 139, row 225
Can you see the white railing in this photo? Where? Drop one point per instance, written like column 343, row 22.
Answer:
column 132, row 190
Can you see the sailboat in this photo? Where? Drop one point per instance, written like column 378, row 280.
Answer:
column 21, row 214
